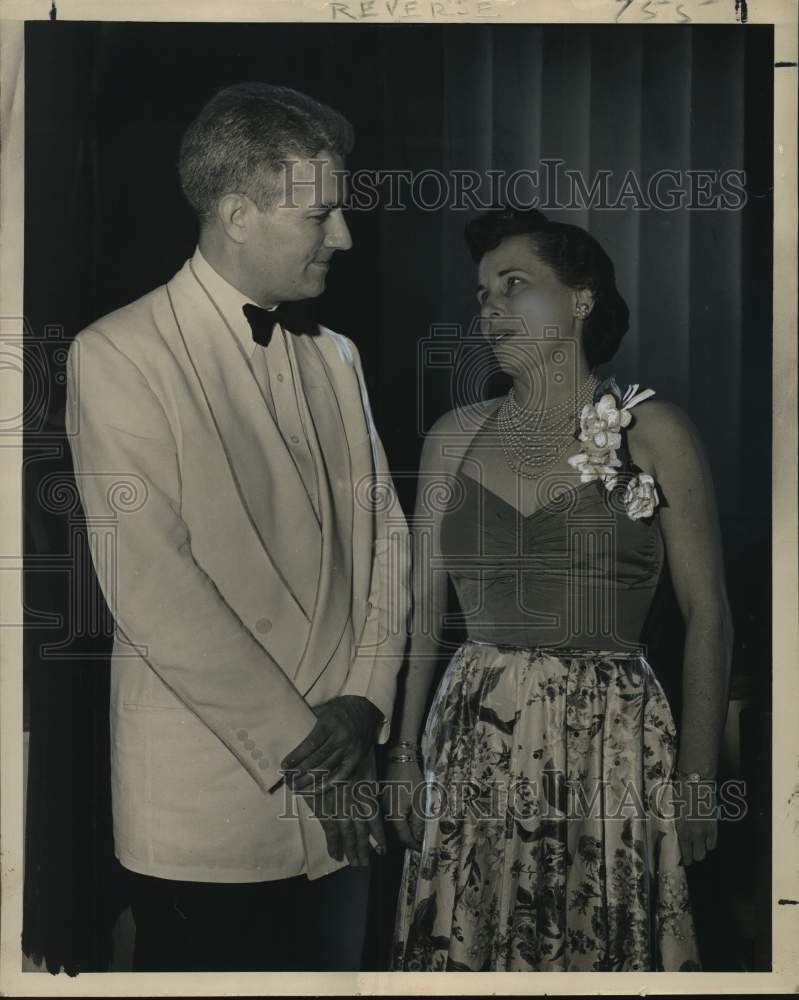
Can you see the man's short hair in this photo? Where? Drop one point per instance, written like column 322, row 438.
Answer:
column 239, row 139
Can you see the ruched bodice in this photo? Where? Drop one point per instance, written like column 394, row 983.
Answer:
column 577, row 573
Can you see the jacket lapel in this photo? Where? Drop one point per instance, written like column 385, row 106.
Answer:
column 364, row 492
column 323, row 564
column 266, row 478
column 328, row 441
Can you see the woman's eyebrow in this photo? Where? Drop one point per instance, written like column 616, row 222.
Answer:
column 501, row 274
column 508, row 270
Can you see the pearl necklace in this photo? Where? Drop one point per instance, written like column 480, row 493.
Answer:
column 534, row 440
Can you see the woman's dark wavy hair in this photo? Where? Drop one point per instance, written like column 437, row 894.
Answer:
column 577, row 260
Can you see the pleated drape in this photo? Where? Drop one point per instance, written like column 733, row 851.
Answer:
column 617, row 100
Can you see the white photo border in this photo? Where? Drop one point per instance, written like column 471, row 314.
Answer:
column 784, row 977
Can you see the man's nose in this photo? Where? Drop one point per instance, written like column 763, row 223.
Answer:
column 338, row 233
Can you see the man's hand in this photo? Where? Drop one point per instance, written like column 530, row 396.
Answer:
column 345, row 730
column 349, row 812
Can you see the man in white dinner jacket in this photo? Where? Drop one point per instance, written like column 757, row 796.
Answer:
column 258, row 573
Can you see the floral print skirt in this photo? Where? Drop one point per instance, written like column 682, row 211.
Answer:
column 549, row 840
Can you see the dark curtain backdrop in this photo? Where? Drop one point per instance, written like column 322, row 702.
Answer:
column 105, row 222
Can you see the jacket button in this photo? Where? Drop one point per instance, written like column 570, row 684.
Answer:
column 249, row 744
column 263, row 763
column 242, row 734
column 263, row 625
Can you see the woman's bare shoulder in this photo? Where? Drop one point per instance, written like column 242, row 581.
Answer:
column 450, row 437
column 464, row 419
column 662, row 433
column 659, row 419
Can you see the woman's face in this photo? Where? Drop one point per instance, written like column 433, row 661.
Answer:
column 524, row 307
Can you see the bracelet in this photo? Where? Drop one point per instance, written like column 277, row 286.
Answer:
column 691, row 777
column 405, row 745
column 404, row 752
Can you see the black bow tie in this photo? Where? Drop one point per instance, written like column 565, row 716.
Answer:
column 292, row 316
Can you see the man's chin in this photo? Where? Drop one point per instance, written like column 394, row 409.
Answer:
column 317, row 282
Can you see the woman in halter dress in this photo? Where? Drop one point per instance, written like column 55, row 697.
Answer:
column 551, row 821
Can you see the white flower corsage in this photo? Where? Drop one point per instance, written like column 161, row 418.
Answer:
column 601, row 424
column 641, row 496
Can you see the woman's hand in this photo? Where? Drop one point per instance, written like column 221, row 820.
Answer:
column 697, row 837
column 697, row 821
column 403, row 802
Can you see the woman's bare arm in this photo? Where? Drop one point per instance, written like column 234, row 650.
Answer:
column 437, row 471
column 439, row 465
column 689, row 522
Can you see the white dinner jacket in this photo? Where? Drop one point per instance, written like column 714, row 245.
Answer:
column 236, row 611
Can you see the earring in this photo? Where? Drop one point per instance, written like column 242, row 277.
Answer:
column 582, row 310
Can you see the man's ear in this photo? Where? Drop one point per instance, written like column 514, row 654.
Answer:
column 233, row 212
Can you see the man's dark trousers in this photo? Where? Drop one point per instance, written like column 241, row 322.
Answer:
column 292, row 924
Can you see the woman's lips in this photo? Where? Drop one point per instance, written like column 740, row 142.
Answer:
column 497, row 328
